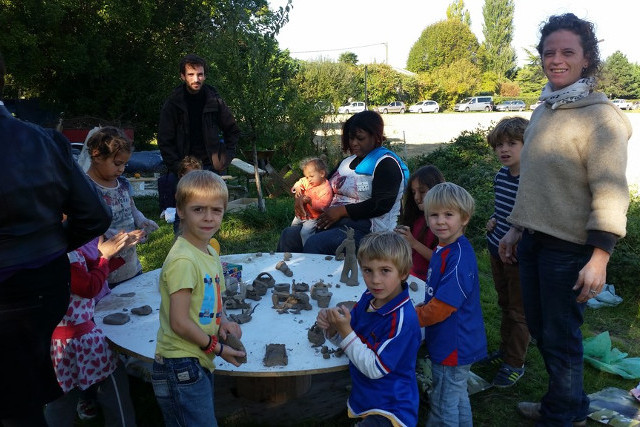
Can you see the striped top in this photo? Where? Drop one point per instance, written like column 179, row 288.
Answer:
column 505, row 187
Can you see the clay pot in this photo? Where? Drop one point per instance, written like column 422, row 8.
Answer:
column 283, row 267
column 282, row 287
column 323, row 297
column 265, row 279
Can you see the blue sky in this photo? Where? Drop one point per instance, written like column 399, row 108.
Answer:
column 326, row 28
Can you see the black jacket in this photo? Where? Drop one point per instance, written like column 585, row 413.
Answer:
column 39, row 182
column 173, row 129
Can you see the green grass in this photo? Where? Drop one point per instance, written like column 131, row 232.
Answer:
column 253, row 231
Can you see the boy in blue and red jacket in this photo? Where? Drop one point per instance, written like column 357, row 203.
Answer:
column 451, row 313
column 380, row 335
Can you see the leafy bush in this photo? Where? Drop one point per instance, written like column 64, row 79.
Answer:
column 469, row 162
column 623, row 267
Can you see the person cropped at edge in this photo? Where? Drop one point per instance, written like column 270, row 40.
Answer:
column 569, row 212
column 40, row 183
column 193, row 120
column 367, row 190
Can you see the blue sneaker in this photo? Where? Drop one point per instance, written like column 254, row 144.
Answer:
column 493, row 359
column 507, row 376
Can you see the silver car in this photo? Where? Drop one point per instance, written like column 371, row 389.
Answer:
column 516, row 105
column 393, row 107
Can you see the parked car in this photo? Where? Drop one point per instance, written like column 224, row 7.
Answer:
column 516, row 105
column 623, row 104
column 475, row 103
column 393, row 107
column 535, row 105
column 635, row 105
column 425, row 107
column 352, row 107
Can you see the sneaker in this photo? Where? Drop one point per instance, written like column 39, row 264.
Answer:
column 493, row 359
column 507, row 376
column 532, row 411
column 87, row 409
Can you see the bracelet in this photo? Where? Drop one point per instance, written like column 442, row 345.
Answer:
column 221, row 348
column 206, row 346
column 212, row 344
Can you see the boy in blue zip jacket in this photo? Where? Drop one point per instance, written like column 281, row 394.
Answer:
column 451, row 314
column 380, row 335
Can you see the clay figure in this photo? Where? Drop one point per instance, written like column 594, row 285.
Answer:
column 316, row 335
column 275, row 355
column 142, row 311
column 328, row 257
column 282, row 266
column 286, row 256
column 300, row 287
column 116, row 319
column 235, row 302
column 244, row 317
column 126, row 294
column 350, row 267
column 317, row 287
column 413, row 286
column 235, row 343
column 252, row 294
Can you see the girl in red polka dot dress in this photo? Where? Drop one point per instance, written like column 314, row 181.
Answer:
column 80, row 353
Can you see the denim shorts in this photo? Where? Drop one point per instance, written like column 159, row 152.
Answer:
column 184, row 391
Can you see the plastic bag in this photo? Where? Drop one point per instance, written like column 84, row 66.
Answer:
column 598, row 352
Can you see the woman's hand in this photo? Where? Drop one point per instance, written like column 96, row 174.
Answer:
column 592, row 276
column 298, row 206
column 491, row 224
column 330, row 216
column 508, row 248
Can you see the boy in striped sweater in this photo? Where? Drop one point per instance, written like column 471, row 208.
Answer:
column 506, row 140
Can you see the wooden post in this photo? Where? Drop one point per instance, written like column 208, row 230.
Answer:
column 261, row 205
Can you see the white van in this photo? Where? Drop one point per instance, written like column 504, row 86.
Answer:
column 475, row 103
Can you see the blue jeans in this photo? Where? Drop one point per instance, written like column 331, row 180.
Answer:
column 549, row 268
column 184, row 391
column 323, row 241
column 449, row 399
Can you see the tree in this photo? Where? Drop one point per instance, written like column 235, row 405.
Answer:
column 348, row 58
column 257, row 79
column 328, row 81
column 441, row 44
column 618, row 78
column 455, row 80
column 497, row 29
column 111, row 60
column 457, row 12
column 531, row 78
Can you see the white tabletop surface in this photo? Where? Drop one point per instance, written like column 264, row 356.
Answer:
column 138, row 336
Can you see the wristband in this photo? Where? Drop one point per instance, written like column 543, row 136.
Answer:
column 206, row 346
column 221, row 348
column 212, row 344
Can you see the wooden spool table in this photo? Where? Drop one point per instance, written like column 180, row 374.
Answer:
column 275, row 384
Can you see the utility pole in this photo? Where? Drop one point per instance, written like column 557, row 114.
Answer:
column 366, row 99
column 386, row 52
